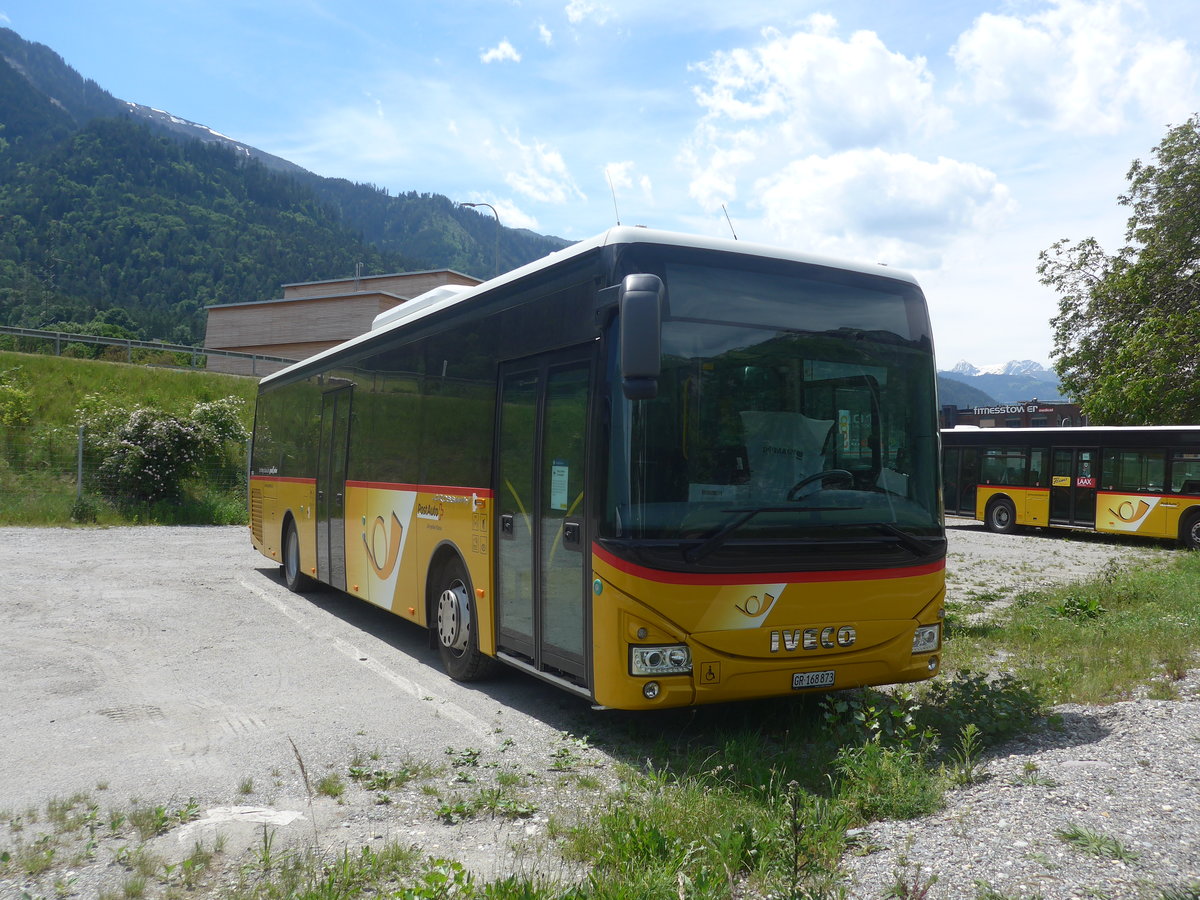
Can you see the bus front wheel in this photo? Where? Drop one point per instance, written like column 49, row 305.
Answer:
column 458, row 627
column 293, row 574
column 1189, row 532
column 1001, row 517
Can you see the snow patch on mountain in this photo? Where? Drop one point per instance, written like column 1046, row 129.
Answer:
column 1012, row 367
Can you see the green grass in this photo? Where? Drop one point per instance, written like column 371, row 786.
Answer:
column 1097, row 641
column 763, row 794
column 38, row 460
column 1095, row 843
column 331, row 785
column 58, row 385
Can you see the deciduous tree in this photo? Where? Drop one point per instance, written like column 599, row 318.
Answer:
column 1127, row 335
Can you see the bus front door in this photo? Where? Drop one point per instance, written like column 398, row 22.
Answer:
column 331, row 488
column 542, row 602
column 1073, row 487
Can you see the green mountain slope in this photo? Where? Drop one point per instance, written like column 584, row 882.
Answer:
column 118, row 217
column 104, row 211
column 952, row 392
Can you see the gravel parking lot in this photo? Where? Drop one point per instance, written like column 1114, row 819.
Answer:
column 166, row 665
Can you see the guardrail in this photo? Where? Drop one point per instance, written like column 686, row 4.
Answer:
column 64, row 337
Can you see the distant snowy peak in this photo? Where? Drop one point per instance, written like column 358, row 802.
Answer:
column 1026, row 367
column 1011, row 382
column 203, row 133
column 1013, row 367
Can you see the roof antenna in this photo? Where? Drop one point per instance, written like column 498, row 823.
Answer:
column 616, row 211
column 729, row 220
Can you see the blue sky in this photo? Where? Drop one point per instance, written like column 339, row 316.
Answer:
column 951, row 139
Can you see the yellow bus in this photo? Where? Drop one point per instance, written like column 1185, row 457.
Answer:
column 653, row 469
column 1122, row 480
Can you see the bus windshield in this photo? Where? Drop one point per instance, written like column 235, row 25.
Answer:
column 794, row 413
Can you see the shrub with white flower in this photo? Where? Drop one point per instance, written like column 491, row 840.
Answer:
column 144, row 455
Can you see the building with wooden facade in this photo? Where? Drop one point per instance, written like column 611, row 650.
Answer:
column 312, row 316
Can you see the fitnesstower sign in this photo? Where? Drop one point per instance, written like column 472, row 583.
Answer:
column 1015, row 410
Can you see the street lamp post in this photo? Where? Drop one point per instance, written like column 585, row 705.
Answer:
column 497, row 215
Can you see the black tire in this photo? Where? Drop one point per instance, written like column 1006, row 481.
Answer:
column 455, row 623
column 293, row 572
column 1189, row 532
column 1001, row 517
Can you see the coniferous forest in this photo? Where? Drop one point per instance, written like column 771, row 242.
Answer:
column 112, row 221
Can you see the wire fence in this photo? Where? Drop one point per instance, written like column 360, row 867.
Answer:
column 59, row 343
column 56, row 475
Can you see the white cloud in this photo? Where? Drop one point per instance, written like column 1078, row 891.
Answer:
column 541, row 173
column 619, row 174
column 1078, row 65
column 545, row 35
column 817, row 131
column 579, row 11
column 510, row 214
column 802, row 93
column 820, row 90
column 888, row 207
column 502, row 52
column 624, row 181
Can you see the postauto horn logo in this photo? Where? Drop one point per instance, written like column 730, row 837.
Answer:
column 391, row 544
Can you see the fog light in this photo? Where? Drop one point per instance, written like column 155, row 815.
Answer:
column 673, row 659
column 925, row 638
column 932, row 663
column 650, row 690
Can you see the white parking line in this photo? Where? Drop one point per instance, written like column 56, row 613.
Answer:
column 443, row 705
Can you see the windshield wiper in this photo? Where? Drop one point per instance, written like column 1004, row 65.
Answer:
column 914, row 544
column 721, row 535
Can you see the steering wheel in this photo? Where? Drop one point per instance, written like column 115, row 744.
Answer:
column 840, row 474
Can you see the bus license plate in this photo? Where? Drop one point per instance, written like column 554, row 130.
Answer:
column 812, row 679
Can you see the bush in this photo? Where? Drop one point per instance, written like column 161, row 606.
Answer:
column 999, row 707
column 16, row 404
column 148, row 457
column 143, row 456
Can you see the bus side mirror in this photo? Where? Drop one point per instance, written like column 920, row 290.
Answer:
column 640, row 307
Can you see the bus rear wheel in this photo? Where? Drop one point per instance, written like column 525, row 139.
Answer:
column 1189, row 532
column 1001, row 517
column 458, row 627
column 293, row 574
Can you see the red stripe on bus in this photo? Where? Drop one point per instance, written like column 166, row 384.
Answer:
column 422, row 488
column 763, row 577
column 283, row 478
column 1113, row 492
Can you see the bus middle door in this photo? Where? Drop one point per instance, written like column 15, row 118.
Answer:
column 542, row 550
column 331, row 487
column 1073, row 487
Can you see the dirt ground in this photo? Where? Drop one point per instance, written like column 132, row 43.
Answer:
column 172, row 667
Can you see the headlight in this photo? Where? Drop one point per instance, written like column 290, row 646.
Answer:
column 925, row 639
column 673, row 659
